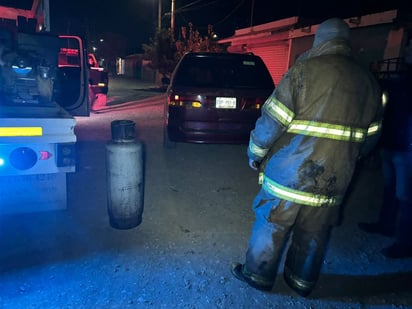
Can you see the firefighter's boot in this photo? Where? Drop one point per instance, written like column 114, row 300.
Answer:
column 263, row 255
column 304, row 259
column 386, row 223
column 402, row 248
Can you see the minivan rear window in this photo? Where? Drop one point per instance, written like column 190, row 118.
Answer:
column 223, row 72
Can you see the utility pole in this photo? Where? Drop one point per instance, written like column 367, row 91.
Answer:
column 159, row 16
column 172, row 19
column 46, row 11
column 252, row 12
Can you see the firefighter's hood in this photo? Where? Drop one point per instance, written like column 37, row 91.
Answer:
column 333, row 28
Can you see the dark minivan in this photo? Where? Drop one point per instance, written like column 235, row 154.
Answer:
column 215, row 98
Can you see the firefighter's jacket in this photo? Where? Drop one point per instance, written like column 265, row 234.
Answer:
column 325, row 113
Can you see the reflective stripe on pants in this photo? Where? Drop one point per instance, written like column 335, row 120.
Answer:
column 274, row 219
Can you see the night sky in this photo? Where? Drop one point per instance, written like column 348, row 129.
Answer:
column 136, row 20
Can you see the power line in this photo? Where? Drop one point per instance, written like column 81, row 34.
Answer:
column 187, row 8
column 192, row 6
column 230, row 13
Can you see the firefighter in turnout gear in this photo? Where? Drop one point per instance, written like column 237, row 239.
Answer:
column 323, row 116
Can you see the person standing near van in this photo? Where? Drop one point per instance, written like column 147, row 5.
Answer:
column 395, row 217
column 324, row 114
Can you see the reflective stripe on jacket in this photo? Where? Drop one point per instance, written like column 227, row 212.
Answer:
column 314, row 125
column 281, row 113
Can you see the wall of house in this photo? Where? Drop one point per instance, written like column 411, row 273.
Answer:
column 373, row 37
column 136, row 67
column 299, row 45
column 369, row 43
column 275, row 56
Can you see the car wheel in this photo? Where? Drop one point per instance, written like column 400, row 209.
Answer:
column 167, row 143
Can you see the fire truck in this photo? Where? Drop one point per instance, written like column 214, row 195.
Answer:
column 39, row 98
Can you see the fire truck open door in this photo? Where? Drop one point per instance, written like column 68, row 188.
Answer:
column 72, row 76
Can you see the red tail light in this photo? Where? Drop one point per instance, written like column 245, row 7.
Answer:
column 184, row 101
column 252, row 103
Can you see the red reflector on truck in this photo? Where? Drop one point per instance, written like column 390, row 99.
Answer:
column 44, row 155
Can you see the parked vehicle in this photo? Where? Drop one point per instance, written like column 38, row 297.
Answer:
column 215, row 98
column 39, row 97
column 98, row 83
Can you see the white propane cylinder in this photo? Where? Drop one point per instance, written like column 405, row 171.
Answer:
column 125, row 176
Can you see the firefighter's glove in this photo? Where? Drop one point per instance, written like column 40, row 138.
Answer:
column 254, row 165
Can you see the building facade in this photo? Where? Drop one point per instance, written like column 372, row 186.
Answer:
column 374, row 37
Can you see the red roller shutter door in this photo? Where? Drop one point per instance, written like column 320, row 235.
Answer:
column 276, row 59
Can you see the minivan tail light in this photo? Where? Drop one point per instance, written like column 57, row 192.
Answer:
column 176, row 100
column 252, row 104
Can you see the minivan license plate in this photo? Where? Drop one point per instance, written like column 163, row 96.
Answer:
column 225, row 102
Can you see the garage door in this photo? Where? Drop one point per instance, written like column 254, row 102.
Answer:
column 276, row 59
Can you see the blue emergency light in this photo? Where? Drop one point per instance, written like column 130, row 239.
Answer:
column 21, row 70
column 1, row 162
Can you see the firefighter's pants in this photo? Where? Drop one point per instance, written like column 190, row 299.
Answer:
column 275, row 220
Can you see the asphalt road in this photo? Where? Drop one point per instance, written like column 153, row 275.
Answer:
column 196, row 220
column 124, row 89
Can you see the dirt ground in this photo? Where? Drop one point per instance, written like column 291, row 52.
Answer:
column 197, row 219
